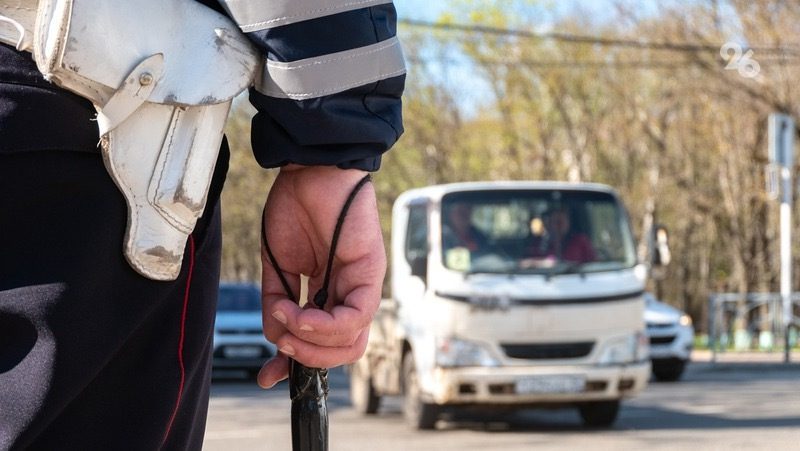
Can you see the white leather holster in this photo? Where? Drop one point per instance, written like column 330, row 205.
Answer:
column 162, row 75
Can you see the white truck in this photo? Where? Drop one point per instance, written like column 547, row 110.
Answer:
column 508, row 311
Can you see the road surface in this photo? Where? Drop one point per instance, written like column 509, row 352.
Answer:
column 743, row 405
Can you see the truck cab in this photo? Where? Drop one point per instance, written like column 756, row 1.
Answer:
column 508, row 294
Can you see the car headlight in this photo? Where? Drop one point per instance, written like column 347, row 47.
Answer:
column 628, row 349
column 685, row 320
column 453, row 352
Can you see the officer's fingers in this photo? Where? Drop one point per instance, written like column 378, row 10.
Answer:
column 339, row 335
column 275, row 370
column 275, row 316
column 315, row 356
column 339, row 327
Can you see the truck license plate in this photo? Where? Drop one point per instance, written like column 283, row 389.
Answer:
column 551, row 384
column 242, row 352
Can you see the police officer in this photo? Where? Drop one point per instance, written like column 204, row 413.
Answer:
column 96, row 355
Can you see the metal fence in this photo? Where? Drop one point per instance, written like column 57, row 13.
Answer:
column 754, row 310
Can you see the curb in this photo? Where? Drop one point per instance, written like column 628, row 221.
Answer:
column 776, row 357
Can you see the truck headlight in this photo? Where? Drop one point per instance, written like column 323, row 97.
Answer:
column 628, row 349
column 685, row 320
column 453, row 352
column 642, row 347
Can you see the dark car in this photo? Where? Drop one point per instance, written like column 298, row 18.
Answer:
column 239, row 341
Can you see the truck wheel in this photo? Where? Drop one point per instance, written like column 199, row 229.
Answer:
column 668, row 371
column 418, row 414
column 363, row 395
column 599, row 413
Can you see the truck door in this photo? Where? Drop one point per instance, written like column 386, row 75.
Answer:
column 409, row 292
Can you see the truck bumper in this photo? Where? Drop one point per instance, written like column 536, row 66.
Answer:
column 538, row 385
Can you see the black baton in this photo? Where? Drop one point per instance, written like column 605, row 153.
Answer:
column 308, row 388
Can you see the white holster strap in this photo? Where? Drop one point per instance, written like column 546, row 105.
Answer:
column 162, row 75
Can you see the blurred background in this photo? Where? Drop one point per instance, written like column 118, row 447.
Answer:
column 651, row 97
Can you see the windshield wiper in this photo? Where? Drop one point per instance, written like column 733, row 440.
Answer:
column 567, row 268
column 472, row 272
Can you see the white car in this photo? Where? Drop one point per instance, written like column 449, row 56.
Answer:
column 671, row 338
column 239, row 341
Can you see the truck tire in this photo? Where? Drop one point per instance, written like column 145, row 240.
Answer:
column 599, row 413
column 363, row 395
column 669, row 371
column 418, row 414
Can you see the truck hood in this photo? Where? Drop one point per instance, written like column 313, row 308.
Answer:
column 566, row 288
column 533, row 308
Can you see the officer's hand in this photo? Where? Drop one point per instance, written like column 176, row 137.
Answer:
column 301, row 213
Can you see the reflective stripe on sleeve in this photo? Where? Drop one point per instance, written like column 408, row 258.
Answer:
column 332, row 73
column 255, row 15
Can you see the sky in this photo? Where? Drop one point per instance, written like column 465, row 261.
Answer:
column 471, row 94
column 419, row 9
column 432, row 9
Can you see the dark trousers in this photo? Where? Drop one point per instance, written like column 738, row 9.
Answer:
column 93, row 355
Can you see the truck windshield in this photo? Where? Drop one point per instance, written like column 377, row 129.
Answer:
column 535, row 231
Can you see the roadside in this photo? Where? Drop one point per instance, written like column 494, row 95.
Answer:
column 743, row 366
column 706, row 356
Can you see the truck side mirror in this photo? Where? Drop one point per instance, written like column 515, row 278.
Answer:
column 661, row 255
column 419, row 267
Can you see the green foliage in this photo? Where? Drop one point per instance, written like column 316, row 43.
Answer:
column 243, row 198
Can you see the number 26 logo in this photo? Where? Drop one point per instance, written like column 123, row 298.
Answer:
column 738, row 61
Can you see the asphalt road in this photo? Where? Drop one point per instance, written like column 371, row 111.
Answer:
column 742, row 405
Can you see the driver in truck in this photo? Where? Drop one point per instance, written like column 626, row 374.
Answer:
column 459, row 230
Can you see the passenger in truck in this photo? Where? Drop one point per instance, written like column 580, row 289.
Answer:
column 553, row 239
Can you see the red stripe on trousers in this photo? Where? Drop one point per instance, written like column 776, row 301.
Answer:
column 182, row 335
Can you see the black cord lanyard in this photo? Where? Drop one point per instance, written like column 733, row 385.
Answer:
column 321, row 297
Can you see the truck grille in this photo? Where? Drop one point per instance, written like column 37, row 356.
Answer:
column 541, row 351
column 662, row 340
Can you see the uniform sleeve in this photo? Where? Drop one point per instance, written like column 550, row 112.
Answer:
column 329, row 90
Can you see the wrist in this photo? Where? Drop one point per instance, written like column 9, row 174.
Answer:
column 309, row 173
column 324, row 187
